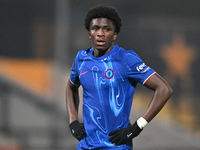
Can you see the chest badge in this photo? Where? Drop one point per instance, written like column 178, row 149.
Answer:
column 109, row 73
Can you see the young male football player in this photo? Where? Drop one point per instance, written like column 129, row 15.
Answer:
column 109, row 75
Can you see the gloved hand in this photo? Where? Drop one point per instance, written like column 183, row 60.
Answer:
column 122, row 135
column 77, row 130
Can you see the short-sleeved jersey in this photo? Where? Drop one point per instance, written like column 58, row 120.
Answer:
column 108, row 85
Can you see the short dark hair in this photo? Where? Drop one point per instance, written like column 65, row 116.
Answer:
column 103, row 11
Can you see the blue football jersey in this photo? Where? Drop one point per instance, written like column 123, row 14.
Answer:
column 108, row 85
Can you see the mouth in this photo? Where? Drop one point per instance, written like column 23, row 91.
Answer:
column 100, row 42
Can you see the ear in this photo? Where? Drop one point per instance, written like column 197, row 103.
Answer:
column 89, row 35
column 115, row 36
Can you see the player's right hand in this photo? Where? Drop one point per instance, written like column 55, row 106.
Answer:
column 77, row 130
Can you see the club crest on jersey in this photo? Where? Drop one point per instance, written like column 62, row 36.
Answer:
column 142, row 68
column 109, row 73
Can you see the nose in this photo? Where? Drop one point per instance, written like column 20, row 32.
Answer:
column 101, row 32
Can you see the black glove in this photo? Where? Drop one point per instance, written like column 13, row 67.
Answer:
column 77, row 130
column 121, row 136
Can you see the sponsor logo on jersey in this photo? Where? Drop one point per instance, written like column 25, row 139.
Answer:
column 109, row 73
column 142, row 68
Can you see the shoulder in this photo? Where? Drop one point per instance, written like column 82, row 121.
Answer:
column 121, row 51
column 129, row 55
column 127, row 52
column 83, row 53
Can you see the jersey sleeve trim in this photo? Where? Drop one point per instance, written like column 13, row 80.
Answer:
column 148, row 78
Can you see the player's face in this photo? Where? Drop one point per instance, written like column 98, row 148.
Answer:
column 102, row 34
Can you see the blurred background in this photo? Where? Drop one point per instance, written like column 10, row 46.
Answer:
column 39, row 40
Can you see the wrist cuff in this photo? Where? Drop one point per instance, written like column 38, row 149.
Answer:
column 141, row 122
column 73, row 124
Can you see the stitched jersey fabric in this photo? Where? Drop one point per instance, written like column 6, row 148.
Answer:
column 108, row 85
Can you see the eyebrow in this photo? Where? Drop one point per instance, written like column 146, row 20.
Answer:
column 99, row 26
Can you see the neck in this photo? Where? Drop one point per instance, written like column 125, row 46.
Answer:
column 99, row 53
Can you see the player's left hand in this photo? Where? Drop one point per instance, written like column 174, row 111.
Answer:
column 121, row 136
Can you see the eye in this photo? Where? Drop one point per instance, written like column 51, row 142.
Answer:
column 107, row 29
column 94, row 28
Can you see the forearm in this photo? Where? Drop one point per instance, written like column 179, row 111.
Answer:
column 72, row 102
column 158, row 101
column 162, row 92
